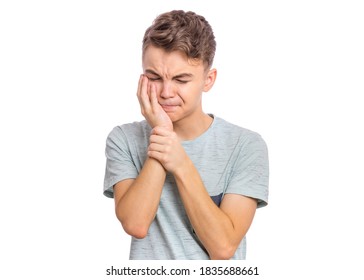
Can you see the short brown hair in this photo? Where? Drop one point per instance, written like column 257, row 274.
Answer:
column 182, row 31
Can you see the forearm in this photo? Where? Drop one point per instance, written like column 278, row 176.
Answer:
column 136, row 209
column 213, row 227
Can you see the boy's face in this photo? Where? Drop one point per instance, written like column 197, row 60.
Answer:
column 179, row 82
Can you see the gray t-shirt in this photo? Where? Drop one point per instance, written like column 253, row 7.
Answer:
column 230, row 159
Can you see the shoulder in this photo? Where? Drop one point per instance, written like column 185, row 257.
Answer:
column 234, row 133
column 130, row 130
column 129, row 135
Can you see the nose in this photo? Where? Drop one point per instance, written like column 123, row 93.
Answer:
column 167, row 90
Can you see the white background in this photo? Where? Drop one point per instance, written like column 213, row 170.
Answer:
column 291, row 70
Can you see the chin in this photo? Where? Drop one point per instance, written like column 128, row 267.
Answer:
column 174, row 118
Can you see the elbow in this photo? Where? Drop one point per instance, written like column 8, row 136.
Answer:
column 135, row 230
column 135, row 226
column 223, row 253
column 132, row 227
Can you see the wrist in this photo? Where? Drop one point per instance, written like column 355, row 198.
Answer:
column 184, row 169
column 166, row 126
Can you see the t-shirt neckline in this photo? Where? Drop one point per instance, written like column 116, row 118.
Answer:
column 203, row 136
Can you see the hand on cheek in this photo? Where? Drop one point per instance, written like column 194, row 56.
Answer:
column 150, row 108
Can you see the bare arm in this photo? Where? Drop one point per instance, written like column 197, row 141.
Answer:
column 137, row 200
column 220, row 229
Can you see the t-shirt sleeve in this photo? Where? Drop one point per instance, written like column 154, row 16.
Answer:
column 119, row 162
column 250, row 176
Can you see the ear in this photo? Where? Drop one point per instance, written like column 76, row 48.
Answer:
column 210, row 79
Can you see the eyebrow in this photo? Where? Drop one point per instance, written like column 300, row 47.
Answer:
column 179, row 76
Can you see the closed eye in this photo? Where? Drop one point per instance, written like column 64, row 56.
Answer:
column 153, row 78
column 182, row 81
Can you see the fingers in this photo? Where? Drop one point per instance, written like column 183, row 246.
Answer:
column 140, row 87
column 153, row 97
column 157, row 156
column 160, row 148
column 147, row 95
column 159, row 140
column 157, row 148
column 166, row 148
column 149, row 105
column 143, row 94
column 158, row 143
column 161, row 131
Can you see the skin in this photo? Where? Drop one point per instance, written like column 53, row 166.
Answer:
column 170, row 96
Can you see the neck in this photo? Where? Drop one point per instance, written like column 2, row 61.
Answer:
column 192, row 127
